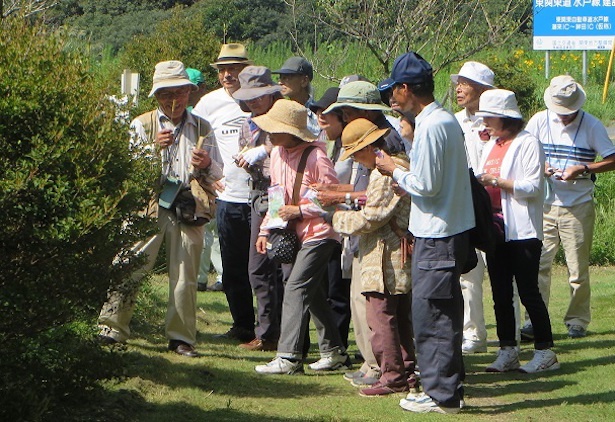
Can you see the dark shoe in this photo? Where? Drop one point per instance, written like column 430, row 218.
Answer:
column 260, row 345
column 527, row 332
column 201, row 287
column 238, row 333
column 183, row 349
column 379, row 389
column 106, row 340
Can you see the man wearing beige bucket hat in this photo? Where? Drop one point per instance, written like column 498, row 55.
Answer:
column 473, row 79
column 233, row 210
column 174, row 132
column 572, row 138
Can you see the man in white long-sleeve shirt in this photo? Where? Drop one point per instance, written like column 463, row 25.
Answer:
column 441, row 217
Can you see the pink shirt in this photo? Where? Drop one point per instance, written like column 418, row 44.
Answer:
column 318, row 169
column 492, row 166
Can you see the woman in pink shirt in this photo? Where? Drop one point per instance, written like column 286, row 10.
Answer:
column 286, row 122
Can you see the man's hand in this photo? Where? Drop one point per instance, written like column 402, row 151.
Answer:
column 164, row 138
column 261, row 244
column 200, row 158
column 385, row 164
column 572, row 172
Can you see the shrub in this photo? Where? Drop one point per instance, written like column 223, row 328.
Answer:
column 69, row 187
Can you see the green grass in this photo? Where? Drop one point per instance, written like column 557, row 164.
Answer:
column 222, row 385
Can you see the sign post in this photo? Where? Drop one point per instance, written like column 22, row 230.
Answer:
column 574, row 25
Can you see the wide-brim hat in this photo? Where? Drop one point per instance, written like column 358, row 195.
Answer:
column 498, row 103
column 325, row 101
column 255, row 81
column 233, row 53
column 286, row 116
column 564, row 95
column 476, row 72
column 170, row 74
column 358, row 134
column 359, row 94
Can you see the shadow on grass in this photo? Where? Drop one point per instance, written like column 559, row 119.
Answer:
column 237, row 383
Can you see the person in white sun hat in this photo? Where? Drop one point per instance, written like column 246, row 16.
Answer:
column 572, row 138
column 473, row 79
column 512, row 168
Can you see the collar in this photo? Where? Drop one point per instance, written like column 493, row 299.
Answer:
column 424, row 114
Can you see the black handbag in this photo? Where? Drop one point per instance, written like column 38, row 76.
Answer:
column 283, row 244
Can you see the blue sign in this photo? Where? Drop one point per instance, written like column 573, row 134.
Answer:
column 574, row 24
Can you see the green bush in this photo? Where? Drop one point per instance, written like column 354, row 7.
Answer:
column 69, row 188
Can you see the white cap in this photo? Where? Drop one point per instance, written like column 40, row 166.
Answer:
column 476, row 72
column 498, row 103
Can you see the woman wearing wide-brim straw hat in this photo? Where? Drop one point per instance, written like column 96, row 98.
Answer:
column 512, row 168
column 383, row 251
column 286, row 122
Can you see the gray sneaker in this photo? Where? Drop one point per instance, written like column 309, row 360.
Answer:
column 364, row 382
column 508, row 360
column 544, row 360
column 332, row 363
column 576, row 331
column 527, row 332
column 349, row 376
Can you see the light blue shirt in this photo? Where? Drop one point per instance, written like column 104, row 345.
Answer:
column 438, row 180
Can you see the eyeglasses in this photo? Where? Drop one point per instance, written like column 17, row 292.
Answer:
column 168, row 93
column 465, row 84
column 258, row 99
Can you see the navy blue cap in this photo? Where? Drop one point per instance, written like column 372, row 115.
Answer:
column 385, row 88
column 411, row 68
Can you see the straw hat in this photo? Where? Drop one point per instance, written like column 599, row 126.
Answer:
column 564, row 96
column 255, row 81
column 286, row 116
column 233, row 53
column 358, row 134
column 170, row 74
column 498, row 103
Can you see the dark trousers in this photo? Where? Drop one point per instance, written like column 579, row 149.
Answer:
column 338, row 293
column 388, row 317
column 266, row 280
column 518, row 260
column 437, row 315
column 234, row 233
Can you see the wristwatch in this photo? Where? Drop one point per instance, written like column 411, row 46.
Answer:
column 348, row 199
column 494, row 182
column 586, row 172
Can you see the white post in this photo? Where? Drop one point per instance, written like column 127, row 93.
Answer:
column 547, row 64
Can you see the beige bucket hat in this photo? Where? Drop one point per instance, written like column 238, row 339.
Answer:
column 358, row 134
column 286, row 116
column 233, row 53
column 564, row 95
column 170, row 74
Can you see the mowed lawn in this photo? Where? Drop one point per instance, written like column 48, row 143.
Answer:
column 222, row 385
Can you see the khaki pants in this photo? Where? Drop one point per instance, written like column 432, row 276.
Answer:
column 473, row 313
column 183, row 247
column 362, row 332
column 573, row 228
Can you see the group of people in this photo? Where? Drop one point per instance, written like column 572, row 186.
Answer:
column 382, row 209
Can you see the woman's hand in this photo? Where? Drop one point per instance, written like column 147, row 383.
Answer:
column 289, row 212
column 261, row 244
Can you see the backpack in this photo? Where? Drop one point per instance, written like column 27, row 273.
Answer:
column 483, row 235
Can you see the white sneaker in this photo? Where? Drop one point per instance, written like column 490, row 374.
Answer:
column 332, row 363
column 422, row 403
column 508, row 360
column 473, row 346
column 280, row 366
column 543, row 360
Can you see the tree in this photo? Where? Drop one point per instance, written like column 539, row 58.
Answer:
column 69, row 191
column 444, row 31
column 24, row 8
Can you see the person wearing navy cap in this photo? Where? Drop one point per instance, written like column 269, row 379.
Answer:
column 442, row 215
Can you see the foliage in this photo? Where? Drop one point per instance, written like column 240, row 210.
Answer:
column 69, row 188
column 257, row 21
column 111, row 23
column 194, row 45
